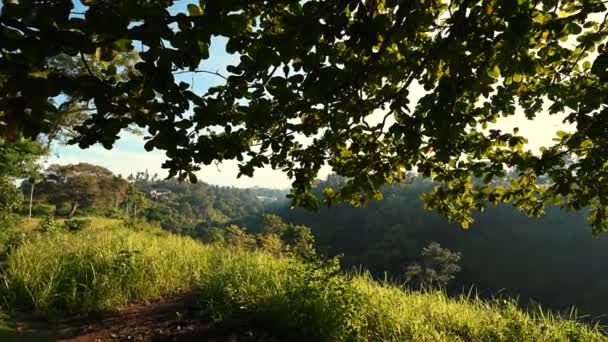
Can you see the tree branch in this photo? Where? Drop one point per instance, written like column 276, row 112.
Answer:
column 86, row 64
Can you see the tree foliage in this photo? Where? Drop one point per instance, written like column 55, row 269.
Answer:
column 553, row 260
column 436, row 268
column 326, row 70
column 19, row 159
column 10, row 199
column 82, row 185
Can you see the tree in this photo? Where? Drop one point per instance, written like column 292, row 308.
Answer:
column 239, row 237
column 10, row 199
column 298, row 239
column 436, row 268
column 347, row 74
column 135, row 199
column 81, row 185
column 18, row 159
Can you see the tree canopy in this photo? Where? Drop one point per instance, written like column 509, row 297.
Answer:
column 82, row 185
column 19, row 159
column 333, row 82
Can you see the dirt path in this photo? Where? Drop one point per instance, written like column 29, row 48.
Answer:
column 167, row 320
column 172, row 319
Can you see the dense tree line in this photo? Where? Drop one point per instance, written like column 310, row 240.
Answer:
column 181, row 207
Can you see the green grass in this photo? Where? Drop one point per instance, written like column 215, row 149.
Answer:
column 78, row 273
column 99, row 269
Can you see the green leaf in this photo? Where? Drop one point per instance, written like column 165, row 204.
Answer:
column 123, row 45
column 194, row 10
column 40, row 74
column 573, row 28
column 517, row 78
column 494, row 72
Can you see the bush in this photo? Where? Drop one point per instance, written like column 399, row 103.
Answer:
column 8, row 222
column 75, row 225
column 42, row 210
column 10, row 197
column 114, row 213
column 49, row 225
column 212, row 235
column 170, row 224
column 38, row 209
column 313, row 302
column 299, row 301
column 271, row 243
column 239, row 237
column 15, row 240
column 297, row 239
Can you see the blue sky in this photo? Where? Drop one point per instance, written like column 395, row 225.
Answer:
column 128, row 155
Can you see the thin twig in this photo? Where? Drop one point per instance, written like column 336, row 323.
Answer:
column 270, row 75
column 201, row 71
column 86, row 64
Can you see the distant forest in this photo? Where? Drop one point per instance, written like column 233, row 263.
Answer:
column 553, row 261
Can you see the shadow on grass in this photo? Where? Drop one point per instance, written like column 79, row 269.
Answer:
column 34, row 331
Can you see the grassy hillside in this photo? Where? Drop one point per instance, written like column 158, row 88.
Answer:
column 104, row 268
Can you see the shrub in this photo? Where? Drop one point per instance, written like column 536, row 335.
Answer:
column 212, row 235
column 114, row 213
column 10, row 197
column 43, row 210
column 239, row 237
column 271, row 243
column 38, row 209
column 171, row 224
column 299, row 301
column 298, row 239
column 49, row 225
column 75, row 225
column 15, row 240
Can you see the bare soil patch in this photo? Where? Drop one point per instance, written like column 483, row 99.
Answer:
column 171, row 319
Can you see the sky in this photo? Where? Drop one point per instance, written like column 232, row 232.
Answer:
column 128, row 155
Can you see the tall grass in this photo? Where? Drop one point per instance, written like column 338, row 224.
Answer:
column 104, row 269
column 298, row 301
column 99, row 269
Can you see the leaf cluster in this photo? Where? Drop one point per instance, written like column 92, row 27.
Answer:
column 311, row 81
